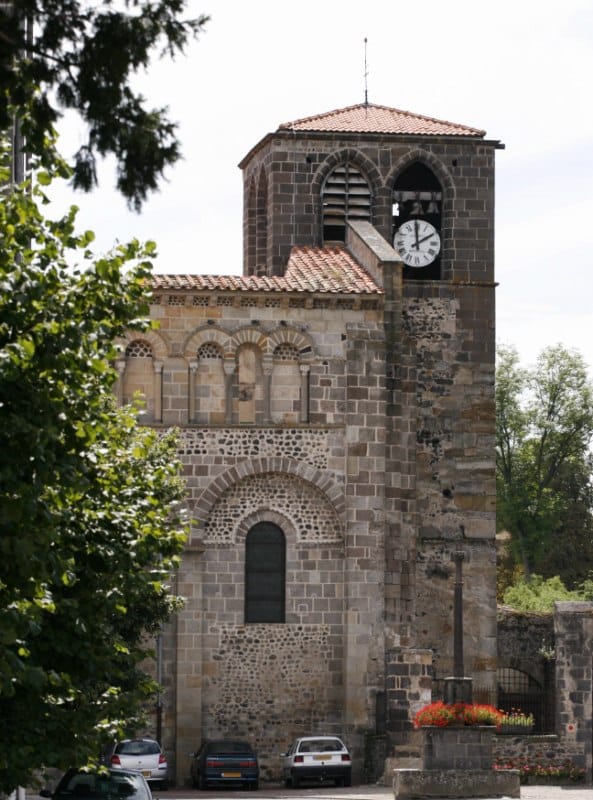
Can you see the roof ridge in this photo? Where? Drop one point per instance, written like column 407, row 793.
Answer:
column 381, row 107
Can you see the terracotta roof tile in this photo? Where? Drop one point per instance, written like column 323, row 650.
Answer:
column 309, row 269
column 372, row 118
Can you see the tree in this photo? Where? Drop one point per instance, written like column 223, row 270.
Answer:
column 544, row 427
column 537, row 594
column 91, row 526
column 69, row 54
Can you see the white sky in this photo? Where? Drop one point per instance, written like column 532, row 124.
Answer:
column 520, row 69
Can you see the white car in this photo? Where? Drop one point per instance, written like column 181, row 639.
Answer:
column 144, row 756
column 317, row 759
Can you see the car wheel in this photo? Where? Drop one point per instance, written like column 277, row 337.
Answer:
column 164, row 785
column 203, row 782
column 295, row 782
column 255, row 786
column 287, row 783
column 347, row 780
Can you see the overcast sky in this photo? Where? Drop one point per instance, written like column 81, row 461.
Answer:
column 519, row 69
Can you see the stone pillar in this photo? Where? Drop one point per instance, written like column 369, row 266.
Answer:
column 408, row 682
column 120, row 366
column 158, row 391
column 304, row 396
column 458, row 689
column 229, row 370
column 267, row 367
column 191, row 414
column 573, row 631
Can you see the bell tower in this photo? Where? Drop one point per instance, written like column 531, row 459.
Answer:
column 303, row 182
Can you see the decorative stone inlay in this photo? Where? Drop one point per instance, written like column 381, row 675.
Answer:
column 138, row 349
column 308, row 446
column 312, row 515
column 286, row 352
column 209, row 350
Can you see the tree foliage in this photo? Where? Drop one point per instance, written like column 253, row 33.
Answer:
column 78, row 55
column 544, row 427
column 538, row 594
column 91, row 526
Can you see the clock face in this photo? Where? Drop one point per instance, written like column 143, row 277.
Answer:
column 417, row 243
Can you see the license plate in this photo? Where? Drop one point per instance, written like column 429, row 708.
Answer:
column 146, row 773
column 231, row 774
column 320, row 758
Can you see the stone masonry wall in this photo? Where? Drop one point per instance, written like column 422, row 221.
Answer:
column 293, row 166
column 447, row 391
column 573, row 628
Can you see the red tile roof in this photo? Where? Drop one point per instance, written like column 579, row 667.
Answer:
column 309, row 269
column 370, row 118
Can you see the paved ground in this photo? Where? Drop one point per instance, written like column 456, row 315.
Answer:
column 277, row 792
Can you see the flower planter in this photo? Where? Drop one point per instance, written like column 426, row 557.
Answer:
column 462, row 747
column 515, row 730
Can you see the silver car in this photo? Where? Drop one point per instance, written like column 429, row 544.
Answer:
column 316, row 759
column 144, row 756
column 84, row 785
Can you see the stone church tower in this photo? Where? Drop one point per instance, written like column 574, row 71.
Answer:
column 336, row 410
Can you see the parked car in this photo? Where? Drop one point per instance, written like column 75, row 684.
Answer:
column 317, row 759
column 116, row 783
column 229, row 761
column 144, row 755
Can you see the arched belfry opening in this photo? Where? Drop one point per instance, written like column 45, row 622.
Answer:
column 417, row 221
column 346, row 194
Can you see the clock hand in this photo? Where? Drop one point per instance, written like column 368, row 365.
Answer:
column 416, row 232
column 430, row 235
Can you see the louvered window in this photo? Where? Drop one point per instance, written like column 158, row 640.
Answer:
column 346, row 195
column 265, row 573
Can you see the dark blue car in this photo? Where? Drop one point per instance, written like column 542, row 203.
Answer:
column 229, row 761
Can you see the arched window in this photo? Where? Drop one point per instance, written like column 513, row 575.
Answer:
column 265, row 573
column 418, row 200
column 346, row 195
column 139, row 376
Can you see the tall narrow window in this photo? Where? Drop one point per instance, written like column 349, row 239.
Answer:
column 346, row 195
column 265, row 573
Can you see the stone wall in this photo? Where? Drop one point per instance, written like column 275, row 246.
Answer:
column 292, row 167
column 573, row 629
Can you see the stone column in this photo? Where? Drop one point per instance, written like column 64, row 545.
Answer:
column 119, row 384
column 193, row 368
column 229, row 370
column 304, row 410
column 458, row 688
column 267, row 367
column 158, row 391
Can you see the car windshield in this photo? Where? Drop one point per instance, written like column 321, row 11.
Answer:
column 114, row 785
column 228, row 747
column 138, row 747
column 320, row 745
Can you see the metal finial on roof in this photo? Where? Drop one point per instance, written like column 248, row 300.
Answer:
column 366, row 73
